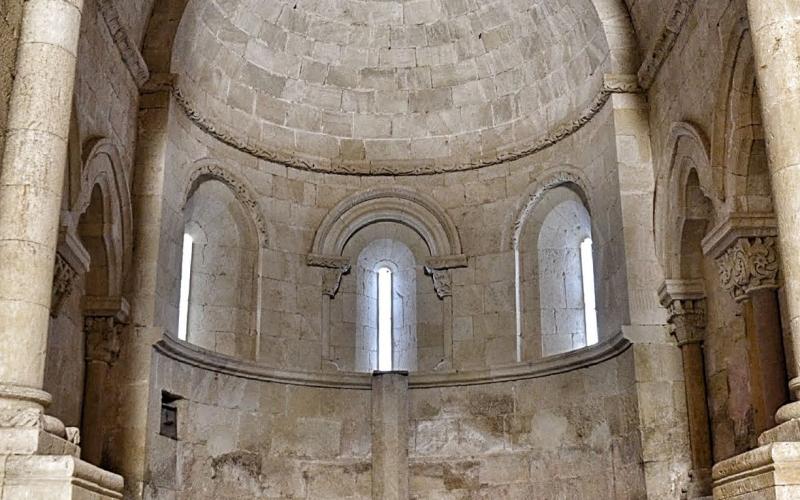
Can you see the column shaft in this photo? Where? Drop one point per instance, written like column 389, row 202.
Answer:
column 92, row 420
column 775, row 27
column 766, row 357
column 31, row 181
column 697, row 408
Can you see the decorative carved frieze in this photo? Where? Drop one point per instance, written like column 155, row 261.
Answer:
column 688, row 320
column 64, row 277
column 748, row 265
column 617, row 84
column 102, row 338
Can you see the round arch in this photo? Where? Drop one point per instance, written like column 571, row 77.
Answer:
column 207, row 169
column 688, row 153
column 553, row 178
column 103, row 169
column 404, row 206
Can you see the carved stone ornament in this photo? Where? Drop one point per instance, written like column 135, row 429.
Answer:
column 750, row 264
column 442, row 281
column 240, row 191
column 332, row 280
column 63, row 280
column 221, row 132
column 28, row 418
column 688, row 320
column 127, row 47
column 334, row 268
column 102, row 338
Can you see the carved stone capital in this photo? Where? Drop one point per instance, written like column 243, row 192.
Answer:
column 64, row 277
column 750, row 264
column 332, row 280
column 334, row 268
column 442, row 281
column 688, row 320
column 102, row 338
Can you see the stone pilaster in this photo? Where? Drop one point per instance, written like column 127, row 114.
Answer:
column 686, row 305
column 390, row 436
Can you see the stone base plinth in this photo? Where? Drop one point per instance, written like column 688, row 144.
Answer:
column 34, row 441
column 55, row 477
column 770, row 472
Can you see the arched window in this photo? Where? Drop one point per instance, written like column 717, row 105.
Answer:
column 589, row 302
column 186, row 284
column 385, row 293
column 218, row 283
column 558, row 307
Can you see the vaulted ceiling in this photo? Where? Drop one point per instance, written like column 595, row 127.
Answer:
column 368, row 82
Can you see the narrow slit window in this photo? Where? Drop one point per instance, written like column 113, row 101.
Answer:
column 384, row 319
column 186, row 284
column 589, row 300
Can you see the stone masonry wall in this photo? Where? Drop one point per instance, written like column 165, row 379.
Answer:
column 572, row 435
column 240, row 438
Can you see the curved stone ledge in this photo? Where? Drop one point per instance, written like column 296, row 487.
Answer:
column 189, row 354
column 613, row 84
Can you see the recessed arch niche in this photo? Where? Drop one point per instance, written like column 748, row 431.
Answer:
column 554, row 220
column 228, row 235
column 418, row 238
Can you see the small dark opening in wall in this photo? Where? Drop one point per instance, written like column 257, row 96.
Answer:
column 169, row 415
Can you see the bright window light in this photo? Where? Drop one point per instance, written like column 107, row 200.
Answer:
column 186, row 283
column 589, row 303
column 384, row 319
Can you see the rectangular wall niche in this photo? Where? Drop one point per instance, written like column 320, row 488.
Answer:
column 169, row 415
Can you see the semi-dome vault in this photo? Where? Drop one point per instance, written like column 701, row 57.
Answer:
column 389, row 86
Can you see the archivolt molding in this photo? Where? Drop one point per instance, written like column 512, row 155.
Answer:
column 127, row 47
column 735, row 95
column 112, row 180
column 205, row 171
column 688, row 149
column 613, row 84
column 665, row 42
column 413, row 209
column 550, row 181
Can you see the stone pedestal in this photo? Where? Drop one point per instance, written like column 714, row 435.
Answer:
column 770, row 472
column 63, row 477
column 390, row 436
